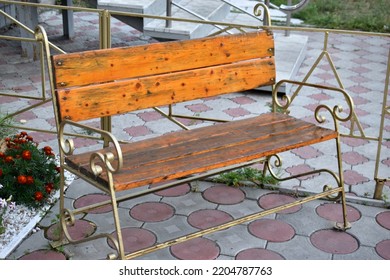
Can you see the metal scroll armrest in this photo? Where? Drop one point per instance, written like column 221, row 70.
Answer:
column 111, row 160
column 335, row 111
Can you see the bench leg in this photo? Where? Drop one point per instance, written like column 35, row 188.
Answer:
column 61, row 237
column 328, row 191
column 345, row 224
column 119, row 239
column 67, row 220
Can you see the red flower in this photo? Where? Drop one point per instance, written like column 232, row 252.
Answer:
column 1, row 172
column 2, row 155
column 49, row 187
column 30, row 180
column 47, row 148
column 22, row 179
column 38, row 196
column 9, row 159
column 26, row 155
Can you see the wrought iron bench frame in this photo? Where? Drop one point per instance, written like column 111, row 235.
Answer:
column 102, row 168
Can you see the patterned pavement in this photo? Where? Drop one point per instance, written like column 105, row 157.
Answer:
column 300, row 233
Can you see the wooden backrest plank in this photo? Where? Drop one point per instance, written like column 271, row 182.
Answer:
column 117, row 97
column 100, row 66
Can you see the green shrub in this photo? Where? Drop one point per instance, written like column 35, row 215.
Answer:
column 28, row 175
column 372, row 16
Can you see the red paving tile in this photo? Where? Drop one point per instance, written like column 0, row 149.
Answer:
column 352, row 177
column 383, row 219
column 79, row 230
column 300, row 169
column 196, row 249
column 207, row 218
column 44, row 255
column 222, row 194
column 258, row 254
column 333, row 212
column 307, row 152
column 91, row 199
column 272, row 200
column 334, row 242
column 174, row 191
column 136, row 131
column 152, row 212
column 237, row 112
column 272, row 230
column 354, row 158
column 135, row 239
column 383, row 249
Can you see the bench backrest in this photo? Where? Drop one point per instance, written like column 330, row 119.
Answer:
column 99, row 83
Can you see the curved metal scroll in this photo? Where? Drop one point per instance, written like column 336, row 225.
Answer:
column 335, row 111
column 68, row 220
column 257, row 11
column 293, row 8
column 67, row 147
column 278, row 163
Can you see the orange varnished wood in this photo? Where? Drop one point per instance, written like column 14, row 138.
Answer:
column 119, row 97
column 99, row 66
column 183, row 153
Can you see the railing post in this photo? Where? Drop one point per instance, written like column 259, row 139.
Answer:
column 105, row 43
column 28, row 15
column 265, row 20
column 67, row 19
column 168, row 23
column 288, row 19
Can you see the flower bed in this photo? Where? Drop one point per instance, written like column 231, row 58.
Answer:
column 28, row 175
column 29, row 183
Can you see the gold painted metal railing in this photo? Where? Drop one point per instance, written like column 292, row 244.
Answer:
column 105, row 42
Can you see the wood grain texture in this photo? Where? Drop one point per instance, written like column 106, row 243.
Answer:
column 119, row 97
column 183, row 153
column 100, row 66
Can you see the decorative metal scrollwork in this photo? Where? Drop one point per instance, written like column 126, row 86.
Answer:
column 107, row 159
column 258, row 11
column 332, row 198
column 293, row 8
column 286, row 101
column 67, row 145
column 67, row 220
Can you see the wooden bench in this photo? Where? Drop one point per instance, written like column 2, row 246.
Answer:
column 102, row 83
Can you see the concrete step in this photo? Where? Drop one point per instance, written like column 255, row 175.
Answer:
column 213, row 10
column 289, row 50
column 276, row 15
column 150, row 7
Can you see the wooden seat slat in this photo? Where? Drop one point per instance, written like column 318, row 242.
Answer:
column 242, row 141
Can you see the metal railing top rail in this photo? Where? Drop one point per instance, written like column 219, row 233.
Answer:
column 234, row 25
